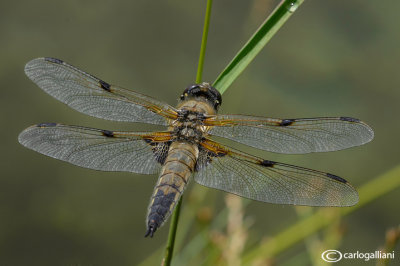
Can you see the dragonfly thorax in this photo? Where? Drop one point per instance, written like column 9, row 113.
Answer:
column 189, row 133
column 189, row 125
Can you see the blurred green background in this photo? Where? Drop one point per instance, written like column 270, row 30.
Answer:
column 332, row 58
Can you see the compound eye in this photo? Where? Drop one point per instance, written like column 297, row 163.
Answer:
column 193, row 87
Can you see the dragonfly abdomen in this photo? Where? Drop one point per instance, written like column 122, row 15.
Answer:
column 174, row 177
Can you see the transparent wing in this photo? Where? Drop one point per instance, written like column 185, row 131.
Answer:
column 92, row 96
column 268, row 181
column 293, row 136
column 99, row 149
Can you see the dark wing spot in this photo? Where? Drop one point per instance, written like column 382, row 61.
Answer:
column 337, row 178
column 286, row 122
column 267, row 163
column 47, row 124
column 218, row 153
column 349, row 119
column 149, row 141
column 160, row 149
column 105, row 86
column 206, row 157
column 54, row 60
column 107, row 133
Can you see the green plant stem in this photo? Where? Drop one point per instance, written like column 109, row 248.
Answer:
column 175, row 216
column 235, row 67
column 254, row 45
column 204, row 42
column 172, row 233
column 302, row 229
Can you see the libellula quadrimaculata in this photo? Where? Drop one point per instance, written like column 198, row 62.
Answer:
column 187, row 147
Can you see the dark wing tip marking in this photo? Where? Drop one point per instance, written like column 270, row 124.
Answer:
column 47, row 125
column 286, row 122
column 105, row 86
column 267, row 163
column 54, row 60
column 337, row 178
column 349, row 119
column 107, row 133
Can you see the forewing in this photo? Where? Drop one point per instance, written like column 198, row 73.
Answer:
column 251, row 177
column 92, row 96
column 292, row 136
column 99, row 149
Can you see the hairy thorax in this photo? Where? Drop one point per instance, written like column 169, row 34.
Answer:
column 189, row 125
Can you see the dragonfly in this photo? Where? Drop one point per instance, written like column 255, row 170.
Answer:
column 187, row 148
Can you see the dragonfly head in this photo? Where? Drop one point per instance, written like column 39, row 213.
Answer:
column 204, row 90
